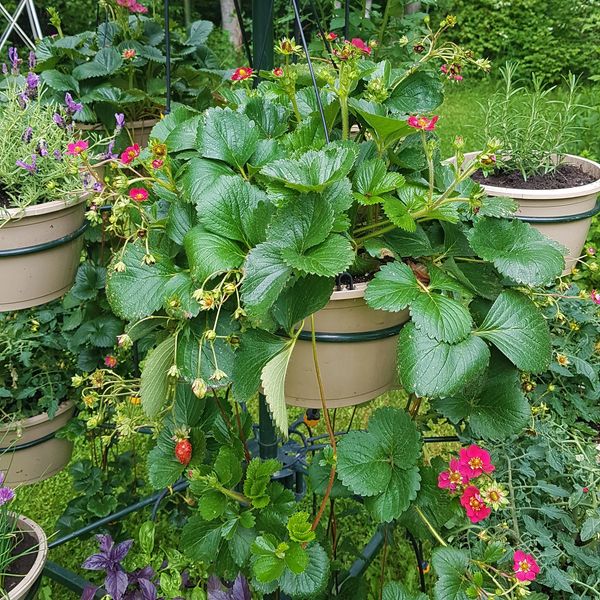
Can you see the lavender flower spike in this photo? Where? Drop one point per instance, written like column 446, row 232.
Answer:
column 57, row 118
column 72, row 106
column 33, row 80
column 32, row 168
column 32, row 60
column 26, row 137
column 120, row 120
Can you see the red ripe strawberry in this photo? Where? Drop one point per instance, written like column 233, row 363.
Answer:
column 183, row 451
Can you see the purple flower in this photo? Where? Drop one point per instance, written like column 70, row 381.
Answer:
column 57, row 155
column 87, row 179
column 109, row 154
column 120, row 119
column 239, row 591
column 4, row 69
column 42, row 148
column 98, row 187
column 23, row 99
column 33, row 80
column 26, row 137
column 32, row 168
column 32, row 60
column 6, row 495
column 57, row 118
column 15, row 61
column 72, row 106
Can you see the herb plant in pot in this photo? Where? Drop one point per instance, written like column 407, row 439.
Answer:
column 42, row 202
column 35, row 378
column 23, row 549
column 556, row 192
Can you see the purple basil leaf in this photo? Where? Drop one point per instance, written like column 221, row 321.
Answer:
column 96, row 562
column 213, row 584
column 148, row 589
column 105, row 543
column 89, row 592
column 145, row 573
column 120, row 551
column 241, row 589
column 116, row 583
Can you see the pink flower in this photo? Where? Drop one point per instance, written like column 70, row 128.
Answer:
column 476, row 461
column 129, row 53
column 130, row 154
column 595, row 296
column 242, row 73
column 423, row 123
column 126, row 3
column 77, row 147
column 360, row 45
column 473, row 503
column 138, row 8
column 525, row 567
column 157, row 163
column 110, row 361
column 278, row 72
column 456, row 476
column 453, row 71
column 138, row 194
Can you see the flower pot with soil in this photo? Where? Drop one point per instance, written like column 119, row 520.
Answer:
column 137, row 132
column 356, row 349
column 42, row 195
column 29, row 449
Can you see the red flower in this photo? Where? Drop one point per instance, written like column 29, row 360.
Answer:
column 423, row 123
column 130, row 154
column 138, row 194
column 242, row 73
column 456, row 476
column 360, row 45
column 110, row 361
column 157, row 163
column 331, row 37
column 473, row 503
column 278, row 72
column 525, row 567
column 129, row 53
column 77, row 147
column 476, row 461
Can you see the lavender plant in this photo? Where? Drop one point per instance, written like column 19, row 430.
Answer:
column 8, row 528
column 38, row 161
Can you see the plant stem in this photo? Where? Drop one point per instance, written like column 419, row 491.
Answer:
column 431, row 528
column 345, row 116
column 511, row 491
column 328, row 426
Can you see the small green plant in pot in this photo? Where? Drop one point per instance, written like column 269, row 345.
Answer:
column 235, row 239
column 556, row 192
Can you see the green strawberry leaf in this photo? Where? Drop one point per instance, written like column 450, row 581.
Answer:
column 441, row 317
column 312, row 581
column 331, row 257
column 518, row 329
column 154, row 383
column 451, row 566
column 201, row 539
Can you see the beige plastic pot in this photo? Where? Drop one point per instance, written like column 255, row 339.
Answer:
column 356, row 349
column 39, row 252
column 31, row 579
column 138, row 130
column 564, row 215
column 30, row 452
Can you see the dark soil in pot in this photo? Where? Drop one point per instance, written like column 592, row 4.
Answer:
column 565, row 176
column 26, row 552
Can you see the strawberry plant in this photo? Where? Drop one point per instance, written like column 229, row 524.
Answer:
column 249, row 214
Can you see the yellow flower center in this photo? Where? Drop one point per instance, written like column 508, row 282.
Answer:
column 524, row 566
column 475, row 463
column 423, row 122
column 475, row 504
column 455, row 477
column 494, row 496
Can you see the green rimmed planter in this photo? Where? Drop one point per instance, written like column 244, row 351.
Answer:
column 356, row 349
column 564, row 215
column 27, row 586
column 29, row 449
column 39, row 252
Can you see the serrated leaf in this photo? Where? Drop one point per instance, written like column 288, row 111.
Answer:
column 380, row 464
column 201, row 539
column 154, row 384
column 397, row 591
column 270, row 118
column 398, row 214
column 429, row 367
column 518, row 329
column 212, row 505
column 590, row 528
column 312, row 582
column 517, row 250
column 106, row 62
column 418, row 93
column 393, row 288
column 314, row 170
column 499, row 410
column 273, row 382
column 199, row 177
column 258, row 476
column 163, row 468
column 318, row 477
column 183, row 136
column 228, row 136
column 373, row 179
column 440, row 317
column 228, row 466
column 451, row 566
column 331, row 257
column 265, row 276
column 61, row 82
column 210, row 254
column 235, row 209
column 388, row 129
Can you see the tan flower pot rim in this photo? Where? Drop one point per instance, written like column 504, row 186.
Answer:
column 128, row 125
column 558, row 193
column 40, row 209
column 36, row 419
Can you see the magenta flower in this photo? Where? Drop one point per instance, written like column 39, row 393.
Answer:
column 130, row 154
column 138, row 194
column 476, row 509
column 110, row 361
column 76, row 148
column 423, row 123
column 525, row 566
column 361, row 45
column 595, row 296
column 456, row 476
column 242, row 73
column 475, row 460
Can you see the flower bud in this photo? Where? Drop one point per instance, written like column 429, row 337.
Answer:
column 199, row 387
column 210, row 335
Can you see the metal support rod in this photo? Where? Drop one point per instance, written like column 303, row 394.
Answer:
column 69, row 579
column 168, row 57
column 267, row 436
